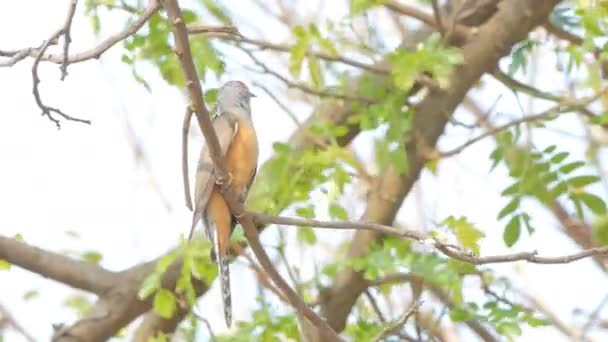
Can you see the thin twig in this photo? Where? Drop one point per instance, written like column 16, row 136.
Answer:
column 46, row 110
column 264, row 45
column 458, row 32
column 592, row 318
column 560, row 108
column 447, row 249
column 206, row 322
column 6, row 316
column 67, row 38
column 185, row 172
column 305, row 88
column 394, row 328
column 93, row 53
column 438, row 19
column 259, row 272
column 374, row 304
column 516, row 85
column 287, row 111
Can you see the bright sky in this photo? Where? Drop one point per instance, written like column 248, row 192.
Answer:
column 85, row 179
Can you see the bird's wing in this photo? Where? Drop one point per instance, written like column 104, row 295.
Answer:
column 225, row 129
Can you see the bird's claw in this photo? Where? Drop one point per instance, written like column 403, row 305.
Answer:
column 223, row 182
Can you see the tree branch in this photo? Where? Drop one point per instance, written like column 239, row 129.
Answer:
column 93, row 53
column 560, row 108
column 78, row 274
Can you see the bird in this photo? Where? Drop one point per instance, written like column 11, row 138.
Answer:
column 238, row 141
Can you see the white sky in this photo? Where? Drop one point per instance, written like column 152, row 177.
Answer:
column 84, row 178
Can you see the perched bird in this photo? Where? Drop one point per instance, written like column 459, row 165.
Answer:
column 239, row 146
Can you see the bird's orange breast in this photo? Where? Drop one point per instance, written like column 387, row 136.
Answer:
column 242, row 155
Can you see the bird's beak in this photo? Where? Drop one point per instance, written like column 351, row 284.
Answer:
column 252, row 94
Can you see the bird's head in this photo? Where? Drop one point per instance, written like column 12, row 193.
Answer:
column 234, row 95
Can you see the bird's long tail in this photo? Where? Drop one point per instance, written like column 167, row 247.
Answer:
column 224, row 274
column 225, row 284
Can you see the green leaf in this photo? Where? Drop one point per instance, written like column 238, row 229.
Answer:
column 336, row 211
column 358, row 6
column 92, row 257
column 509, row 208
column 567, row 168
column 149, row 286
column 79, row 303
column 159, row 337
column 299, row 50
column 306, row 212
column 559, row 189
column 4, row 265
column 558, row 158
column 31, row 294
column 466, row 233
column 581, row 181
column 316, row 75
column 593, row 202
column 165, row 303
column 512, row 189
column 550, row 149
column 512, row 231
column 217, row 11
column 307, row 235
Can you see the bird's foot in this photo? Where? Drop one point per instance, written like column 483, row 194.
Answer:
column 224, row 183
column 243, row 196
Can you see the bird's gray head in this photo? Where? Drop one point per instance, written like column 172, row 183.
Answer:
column 234, row 96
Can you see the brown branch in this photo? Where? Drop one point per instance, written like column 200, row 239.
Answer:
column 67, row 38
column 438, row 19
column 204, row 29
column 397, row 278
column 78, row 274
column 446, row 249
column 375, row 307
column 264, row 45
column 47, row 110
column 458, row 33
column 93, row 53
column 6, row 318
column 281, row 105
column 560, row 108
column 394, row 328
column 182, row 49
column 304, row 88
column 260, row 219
column 516, row 85
column 575, row 40
column 185, row 172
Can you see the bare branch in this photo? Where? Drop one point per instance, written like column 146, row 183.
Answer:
column 93, row 53
column 560, row 108
column 264, row 45
column 276, row 100
column 78, row 274
column 67, row 38
column 304, row 88
column 185, row 172
column 446, row 249
column 7, row 319
column 458, row 33
column 438, row 19
column 394, row 328
column 46, row 110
